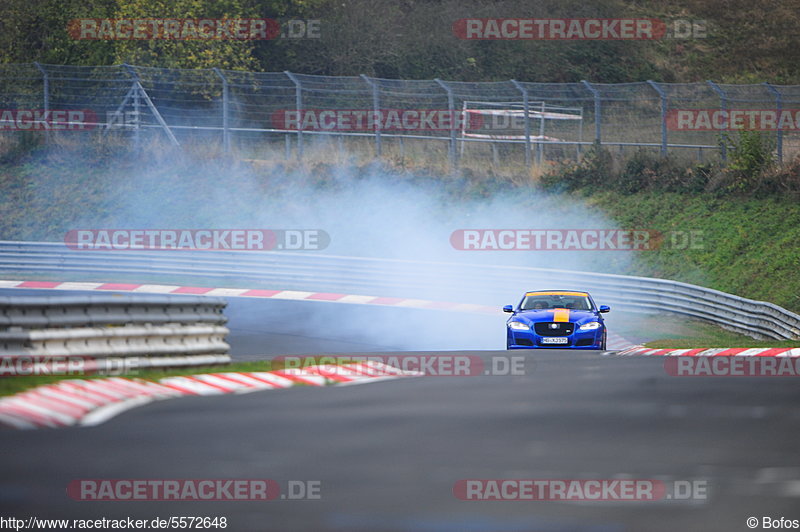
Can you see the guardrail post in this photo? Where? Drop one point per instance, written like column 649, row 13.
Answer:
column 597, row 111
column 226, row 134
column 298, row 97
column 723, row 105
column 526, row 107
column 452, row 108
column 376, row 106
column 779, row 108
column 45, row 97
column 663, row 97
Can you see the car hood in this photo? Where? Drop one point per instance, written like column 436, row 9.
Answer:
column 575, row 316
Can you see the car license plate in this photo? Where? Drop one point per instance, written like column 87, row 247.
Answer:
column 555, row 340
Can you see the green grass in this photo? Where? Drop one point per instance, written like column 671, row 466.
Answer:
column 749, row 247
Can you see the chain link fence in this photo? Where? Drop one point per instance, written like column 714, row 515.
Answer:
column 261, row 112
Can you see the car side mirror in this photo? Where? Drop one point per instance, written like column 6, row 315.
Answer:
column 605, row 308
column 508, row 308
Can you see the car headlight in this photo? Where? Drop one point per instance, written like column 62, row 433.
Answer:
column 518, row 326
column 592, row 325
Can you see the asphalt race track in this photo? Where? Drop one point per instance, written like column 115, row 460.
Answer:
column 388, row 454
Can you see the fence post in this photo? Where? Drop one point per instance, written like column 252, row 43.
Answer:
column 45, row 97
column 226, row 134
column 376, row 106
column 451, row 108
column 134, row 92
column 526, row 107
column 723, row 105
column 540, row 144
column 463, row 131
column 298, row 99
column 597, row 110
column 779, row 108
column 663, row 97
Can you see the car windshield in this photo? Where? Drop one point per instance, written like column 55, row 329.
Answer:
column 552, row 300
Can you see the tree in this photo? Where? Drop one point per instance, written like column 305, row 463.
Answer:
column 36, row 30
column 181, row 53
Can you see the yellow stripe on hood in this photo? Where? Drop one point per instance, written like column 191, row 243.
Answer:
column 561, row 315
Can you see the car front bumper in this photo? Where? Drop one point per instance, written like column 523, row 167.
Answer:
column 588, row 340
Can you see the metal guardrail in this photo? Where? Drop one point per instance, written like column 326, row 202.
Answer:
column 470, row 283
column 139, row 331
column 100, row 310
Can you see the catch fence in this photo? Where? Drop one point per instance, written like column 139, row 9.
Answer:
column 289, row 112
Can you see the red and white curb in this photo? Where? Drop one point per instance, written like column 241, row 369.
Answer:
column 615, row 342
column 638, row 350
column 94, row 401
column 294, row 295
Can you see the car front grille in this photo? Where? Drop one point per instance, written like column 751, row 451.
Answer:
column 546, row 328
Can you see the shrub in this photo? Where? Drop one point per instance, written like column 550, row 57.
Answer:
column 750, row 157
column 596, row 166
column 643, row 171
column 19, row 147
column 782, row 180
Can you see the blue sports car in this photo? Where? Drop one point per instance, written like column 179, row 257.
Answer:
column 556, row 318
